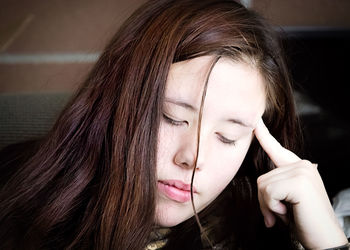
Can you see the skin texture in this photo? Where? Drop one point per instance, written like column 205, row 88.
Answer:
column 235, row 91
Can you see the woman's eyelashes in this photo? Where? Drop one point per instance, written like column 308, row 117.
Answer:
column 172, row 121
column 226, row 141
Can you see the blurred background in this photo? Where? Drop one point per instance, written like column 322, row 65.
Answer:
column 48, row 47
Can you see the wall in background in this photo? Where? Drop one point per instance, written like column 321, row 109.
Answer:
column 310, row 13
column 51, row 45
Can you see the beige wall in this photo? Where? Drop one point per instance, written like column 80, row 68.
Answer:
column 39, row 29
column 57, row 27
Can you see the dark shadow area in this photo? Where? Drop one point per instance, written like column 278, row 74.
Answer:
column 318, row 61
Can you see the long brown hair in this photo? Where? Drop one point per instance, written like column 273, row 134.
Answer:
column 91, row 183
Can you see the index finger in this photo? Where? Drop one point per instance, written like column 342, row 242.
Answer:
column 277, row 153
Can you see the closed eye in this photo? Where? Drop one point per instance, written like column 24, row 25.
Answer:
column 225, row 140
column 172, row 121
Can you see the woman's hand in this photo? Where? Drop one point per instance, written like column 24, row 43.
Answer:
column 297, row 182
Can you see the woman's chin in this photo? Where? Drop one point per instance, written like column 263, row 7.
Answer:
column 169, row 220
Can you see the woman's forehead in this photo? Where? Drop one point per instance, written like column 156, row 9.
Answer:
column 233, row 87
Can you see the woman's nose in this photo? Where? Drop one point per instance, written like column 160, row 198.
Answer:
column 187, row 152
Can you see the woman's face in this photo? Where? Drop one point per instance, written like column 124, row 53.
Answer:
column 234, row 102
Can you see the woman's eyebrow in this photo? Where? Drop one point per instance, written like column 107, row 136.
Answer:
column 182, row 104
column 239, row 122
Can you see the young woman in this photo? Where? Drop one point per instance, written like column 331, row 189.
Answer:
column 164, row 145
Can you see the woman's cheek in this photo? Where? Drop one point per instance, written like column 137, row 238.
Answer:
column 232, row 158
column 165, row 140
column 226, row 166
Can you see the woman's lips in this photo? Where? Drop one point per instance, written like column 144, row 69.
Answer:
column 176, row 190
